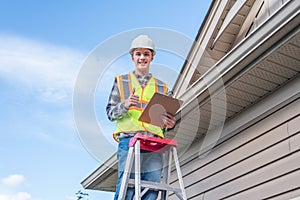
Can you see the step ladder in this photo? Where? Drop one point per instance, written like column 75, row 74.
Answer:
column 165, row 146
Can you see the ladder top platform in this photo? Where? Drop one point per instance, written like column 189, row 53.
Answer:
column 152, row 143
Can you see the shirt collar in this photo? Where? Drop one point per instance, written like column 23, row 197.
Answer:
column 140, row 77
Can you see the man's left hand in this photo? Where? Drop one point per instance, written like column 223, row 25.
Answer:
column 169, row 120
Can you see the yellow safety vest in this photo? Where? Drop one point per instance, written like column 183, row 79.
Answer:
column 130, row 123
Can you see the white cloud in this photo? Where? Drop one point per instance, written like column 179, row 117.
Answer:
column 13, row 180
column 69, row 198
column 51, row 70
column 9, row 188
column 17, row 196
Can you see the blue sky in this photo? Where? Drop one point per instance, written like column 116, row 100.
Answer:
column 43, row 45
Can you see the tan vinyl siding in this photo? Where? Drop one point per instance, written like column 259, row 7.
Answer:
column 260, row 162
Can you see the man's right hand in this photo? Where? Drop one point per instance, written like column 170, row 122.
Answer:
column 132, row 100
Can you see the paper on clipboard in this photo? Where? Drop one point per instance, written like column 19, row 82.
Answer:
column 158, row 105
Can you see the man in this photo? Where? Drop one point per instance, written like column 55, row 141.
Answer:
column 129, row 96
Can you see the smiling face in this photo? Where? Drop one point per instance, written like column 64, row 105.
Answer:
column 142, row 58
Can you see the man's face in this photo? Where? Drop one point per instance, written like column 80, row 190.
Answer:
column 142, row 58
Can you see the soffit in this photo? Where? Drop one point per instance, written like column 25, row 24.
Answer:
column 223, row 37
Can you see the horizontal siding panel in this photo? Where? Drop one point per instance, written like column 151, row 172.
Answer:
column 272, row 188
column 258, row 177
column 294, row 128
column 294, row 125
column 238, row 169
column 295, row 143
column 201, row 177
column 292, row 195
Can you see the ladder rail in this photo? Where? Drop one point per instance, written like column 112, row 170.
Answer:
column 166, row 172
column 137, row 172
column 126, row 174
column 180, row 180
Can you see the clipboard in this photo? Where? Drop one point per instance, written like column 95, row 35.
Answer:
column 159, row 104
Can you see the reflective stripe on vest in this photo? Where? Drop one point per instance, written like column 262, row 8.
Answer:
column 130, row 123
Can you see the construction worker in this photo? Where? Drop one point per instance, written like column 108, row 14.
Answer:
column 129, row 96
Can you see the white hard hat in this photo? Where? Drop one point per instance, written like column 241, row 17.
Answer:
column 142, row 41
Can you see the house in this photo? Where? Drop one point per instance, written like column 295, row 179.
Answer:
column 239, row 128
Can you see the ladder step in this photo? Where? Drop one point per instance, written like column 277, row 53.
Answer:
column 154, row 186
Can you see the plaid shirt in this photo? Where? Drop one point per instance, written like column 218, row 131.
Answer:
column 115, row 108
